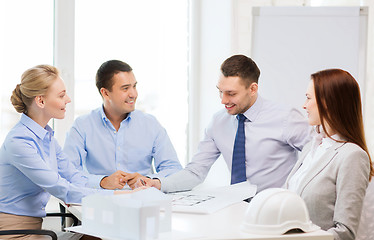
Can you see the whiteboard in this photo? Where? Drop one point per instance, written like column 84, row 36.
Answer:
column 291, row 43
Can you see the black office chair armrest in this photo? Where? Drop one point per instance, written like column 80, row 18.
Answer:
column 30, row 231
column 64, row 215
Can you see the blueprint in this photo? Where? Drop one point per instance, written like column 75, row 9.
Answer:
column 211, row 200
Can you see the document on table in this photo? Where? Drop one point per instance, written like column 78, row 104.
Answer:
column 209, row 201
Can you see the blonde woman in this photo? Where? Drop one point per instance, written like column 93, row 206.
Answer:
column 32, row 165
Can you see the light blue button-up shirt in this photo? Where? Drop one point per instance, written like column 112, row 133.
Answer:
column 95, row 146
column 274, row 134
column 32, row 167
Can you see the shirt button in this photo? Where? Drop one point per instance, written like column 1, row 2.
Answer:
column 119, row 164
column 119, row 148
column 115, row 131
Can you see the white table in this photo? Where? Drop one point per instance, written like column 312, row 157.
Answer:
column 224, row 224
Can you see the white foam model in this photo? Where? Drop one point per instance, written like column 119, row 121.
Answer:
column 139, row 215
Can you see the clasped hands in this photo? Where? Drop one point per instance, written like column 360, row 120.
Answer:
column 135, row 180
column 119, row 179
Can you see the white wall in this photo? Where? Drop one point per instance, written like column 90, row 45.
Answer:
column 213, row 44
column 64, row 60
column 210, row 48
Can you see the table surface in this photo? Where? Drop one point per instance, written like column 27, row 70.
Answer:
column 223, row 224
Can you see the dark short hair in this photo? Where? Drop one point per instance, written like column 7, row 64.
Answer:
column 106, row 72
column 243, row 67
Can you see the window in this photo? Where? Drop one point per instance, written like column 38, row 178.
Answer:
column 151, row 36
column 27, row 40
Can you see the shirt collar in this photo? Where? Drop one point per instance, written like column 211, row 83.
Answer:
column 38, row 130
column 252, row 113
column 321, row 139
column 328, row 142
column 105, row 118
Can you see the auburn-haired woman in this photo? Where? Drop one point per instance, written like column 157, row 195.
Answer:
column 32, row 165
column 334, row 169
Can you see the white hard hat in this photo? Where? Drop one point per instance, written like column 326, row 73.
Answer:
column 276, row 211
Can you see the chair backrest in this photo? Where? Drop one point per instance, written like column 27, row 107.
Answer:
column 366, row 226
column 30, row 232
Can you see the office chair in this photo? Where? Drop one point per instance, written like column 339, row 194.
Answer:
column 366, row 226
column 63, row 214
column 50, row 233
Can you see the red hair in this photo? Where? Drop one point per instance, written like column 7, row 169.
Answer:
column 339, row 105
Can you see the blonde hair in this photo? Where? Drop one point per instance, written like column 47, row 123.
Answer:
column 34, row 82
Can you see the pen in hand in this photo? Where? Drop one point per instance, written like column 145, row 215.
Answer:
column 142, row 181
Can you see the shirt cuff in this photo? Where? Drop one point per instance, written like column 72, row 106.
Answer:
column 94, row 181
column 164, row 184
column 152, row 176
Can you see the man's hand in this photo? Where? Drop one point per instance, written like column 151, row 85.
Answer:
column 115, row 181
column 132, row 178
column 148, row 183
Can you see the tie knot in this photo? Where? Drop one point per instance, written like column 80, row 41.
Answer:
column 241, row 117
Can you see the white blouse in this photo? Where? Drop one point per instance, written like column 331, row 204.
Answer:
column 320, row 144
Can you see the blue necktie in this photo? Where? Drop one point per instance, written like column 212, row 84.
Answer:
column 238, row 157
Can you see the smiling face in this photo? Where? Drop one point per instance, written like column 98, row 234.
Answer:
column 56, row 99
column 235, row 96
column 121, row 99
column 311, row 107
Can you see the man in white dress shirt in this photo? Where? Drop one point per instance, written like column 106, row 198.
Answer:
column 273, row 133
